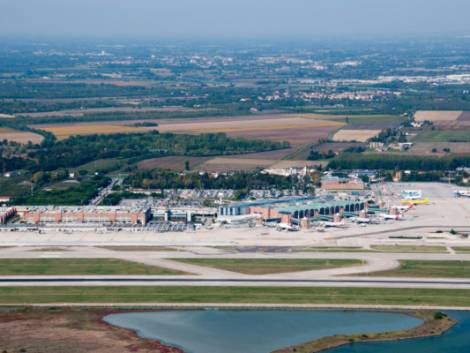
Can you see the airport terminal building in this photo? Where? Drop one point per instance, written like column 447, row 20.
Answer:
column 84, row 215
column 292, row 210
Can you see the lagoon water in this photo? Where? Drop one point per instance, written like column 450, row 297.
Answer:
column 226, row 331
column 457, row 340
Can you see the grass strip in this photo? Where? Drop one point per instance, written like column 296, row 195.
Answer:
column 269, row 266
column 241, row 295
column 57, row 267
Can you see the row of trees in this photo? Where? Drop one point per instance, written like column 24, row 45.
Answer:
column 164, row 179
column 78, row 150
column 391, row 162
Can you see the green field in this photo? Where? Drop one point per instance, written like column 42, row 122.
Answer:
column 462, row 250
column 409, row 249
column 439, row 269
column 367, row 119
column 443, row 136
column 243, row 295
column 30, row 267
column 269, row 266
column 334, row 249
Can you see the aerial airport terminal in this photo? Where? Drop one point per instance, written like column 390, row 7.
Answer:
column 385, row 209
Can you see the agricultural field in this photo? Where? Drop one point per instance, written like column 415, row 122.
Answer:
column 64, row 131
column 19, row 136
column 83, row 112
column 297, row 129
column 223, row 164
column 439, row 148
column 176, row 163
column 440, row 115
column 443, row 136
column 350, row 135
column 368, row 122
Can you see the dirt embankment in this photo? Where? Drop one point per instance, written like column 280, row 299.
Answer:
column 69, row 330
column 434, row 324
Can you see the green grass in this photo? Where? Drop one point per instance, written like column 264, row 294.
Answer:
column 409, row 249
column 439, row 269
column 269, row 266
column 443, row 136
column 102, row 165
column 366, row 119
column 243, row 295
column 25, row 267
column 462, row 250
column 334, row 249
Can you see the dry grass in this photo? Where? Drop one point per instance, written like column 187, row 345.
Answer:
column 438, row 115
column 19, row 136
column 355, row 135
column 55, row 330
column 65, row 131
column 245, row 125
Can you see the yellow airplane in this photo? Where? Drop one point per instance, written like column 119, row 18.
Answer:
column 424, row 201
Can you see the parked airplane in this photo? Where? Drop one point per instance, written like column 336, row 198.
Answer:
column 462, row 193
column 415, row 202
column 412, row 194
column 389, row 217
column 361, row 220
column 404, row 208
column 334, row 224
column 288, row 227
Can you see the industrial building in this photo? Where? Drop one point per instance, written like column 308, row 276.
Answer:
column 85, row 214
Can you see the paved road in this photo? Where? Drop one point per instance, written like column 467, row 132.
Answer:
column 372, row 262
column 231, row 282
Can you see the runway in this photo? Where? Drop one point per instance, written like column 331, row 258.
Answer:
column 247, row 281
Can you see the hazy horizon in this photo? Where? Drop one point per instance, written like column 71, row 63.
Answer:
column 233, row 18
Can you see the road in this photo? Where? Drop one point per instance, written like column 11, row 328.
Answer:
column 208, row 276
column 229, row 282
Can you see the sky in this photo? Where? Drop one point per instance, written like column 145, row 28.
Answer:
column 233, row 18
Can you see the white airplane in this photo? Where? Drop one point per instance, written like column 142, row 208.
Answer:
column 334, row 224
column 462, row 193
column 361, row 220
column 404, row 208
column 288, row 227
column 389, row 217
column 412, row 194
